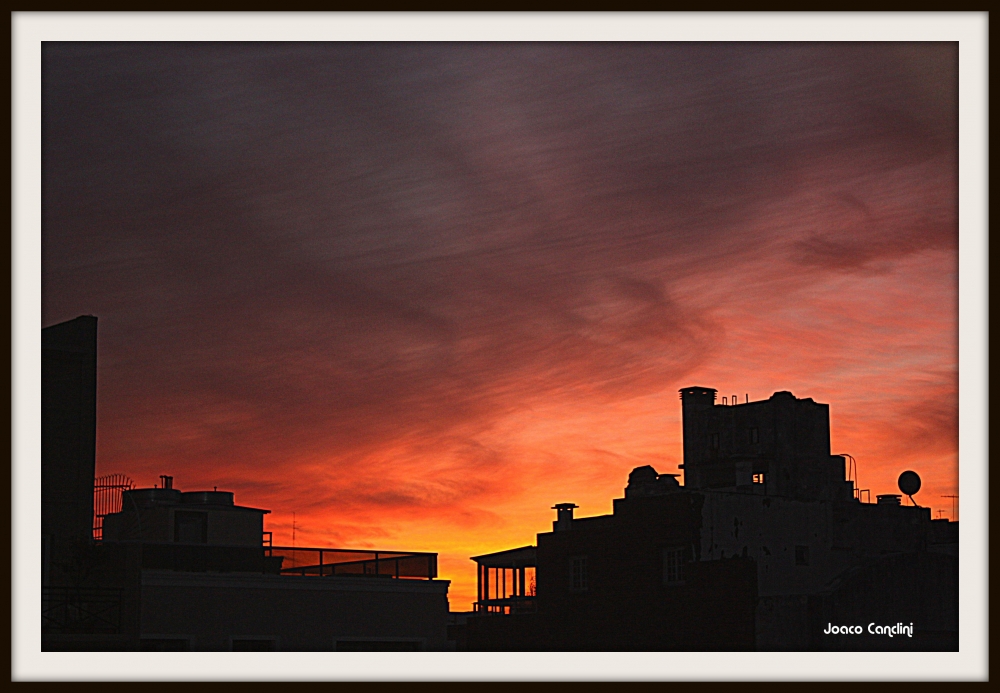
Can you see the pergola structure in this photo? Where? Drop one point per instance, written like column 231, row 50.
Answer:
column 505, row 581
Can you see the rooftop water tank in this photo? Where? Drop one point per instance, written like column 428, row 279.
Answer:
column 149, row 496
column 207, row 498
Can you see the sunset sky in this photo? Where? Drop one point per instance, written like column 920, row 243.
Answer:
column 416, row 294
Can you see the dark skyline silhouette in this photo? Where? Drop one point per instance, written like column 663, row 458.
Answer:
column 158, row 569
column 767, row 545
column 427, row 285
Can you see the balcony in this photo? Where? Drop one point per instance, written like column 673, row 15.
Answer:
column 508, row 606
column 506, row 582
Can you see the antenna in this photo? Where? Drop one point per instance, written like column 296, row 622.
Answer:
column 954, row 507
column 293, row 530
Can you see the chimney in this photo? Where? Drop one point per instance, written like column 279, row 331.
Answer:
column 564, row 516
column 166, row 481
column 697, row 404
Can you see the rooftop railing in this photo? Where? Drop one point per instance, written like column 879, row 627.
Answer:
column 350, row 562
column 506, row 606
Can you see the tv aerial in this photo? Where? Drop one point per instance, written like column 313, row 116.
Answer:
column 909, row 483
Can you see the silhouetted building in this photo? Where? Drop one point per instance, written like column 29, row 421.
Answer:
column 190, row 531
column 624, row 581
column 782, row 443
column 192, row 570
column 69, row 437
column 763, row 547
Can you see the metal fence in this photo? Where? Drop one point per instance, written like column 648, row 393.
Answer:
column 108, row 499
column 328, row 562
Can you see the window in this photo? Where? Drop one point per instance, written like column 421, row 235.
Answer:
column 713, row 439
column 674, row 559
column 758, row 478
column 190, row 528
column 253, row 645
column 754, row 436
column 578, row 574
column 801, row 555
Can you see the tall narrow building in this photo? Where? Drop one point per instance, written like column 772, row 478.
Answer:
column 69, row 439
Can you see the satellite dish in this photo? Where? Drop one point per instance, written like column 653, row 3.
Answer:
column 909, row 483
